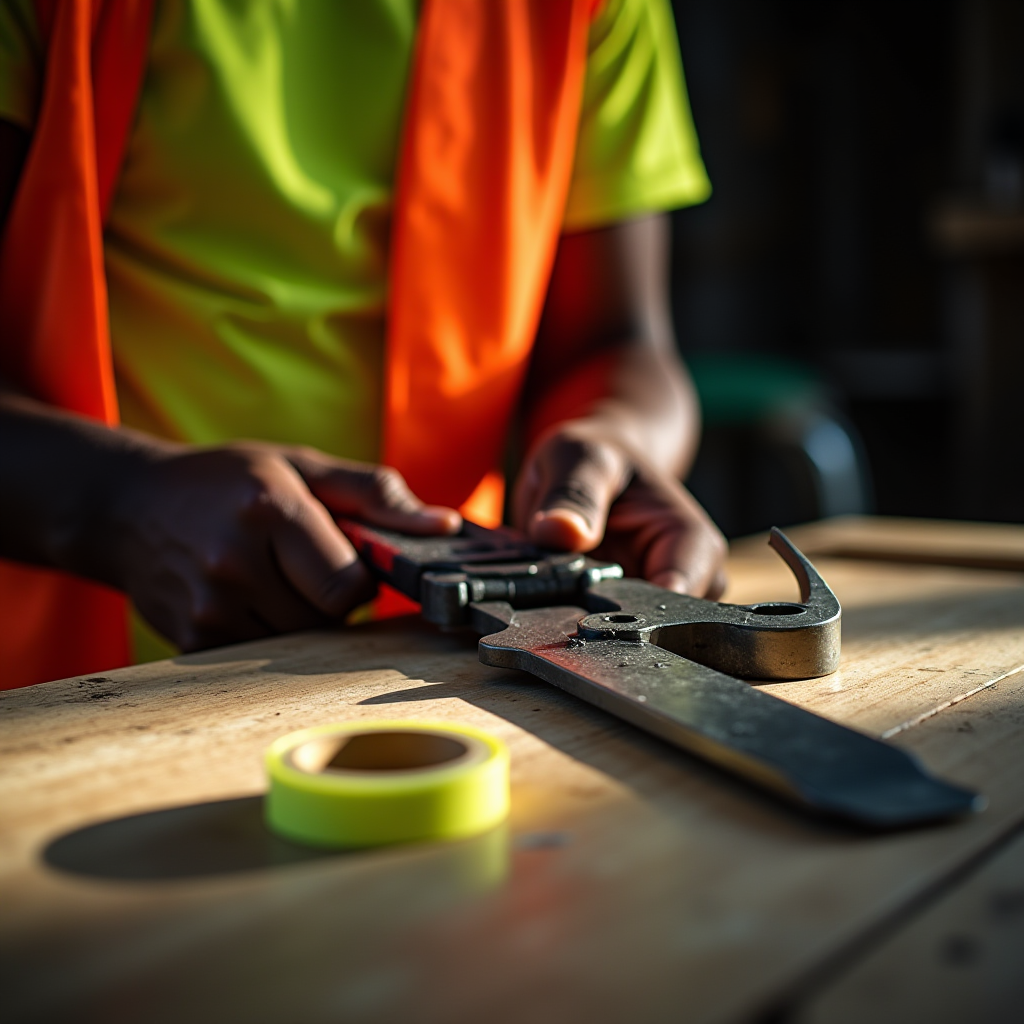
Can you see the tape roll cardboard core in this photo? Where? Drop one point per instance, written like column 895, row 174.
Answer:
column 379, row 752
column 353, row 785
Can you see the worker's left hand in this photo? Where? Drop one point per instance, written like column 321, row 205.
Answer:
column 581, row 490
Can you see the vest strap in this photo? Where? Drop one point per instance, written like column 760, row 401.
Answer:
column 53, row 304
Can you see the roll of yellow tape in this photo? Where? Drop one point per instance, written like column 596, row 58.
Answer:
column 373, row 783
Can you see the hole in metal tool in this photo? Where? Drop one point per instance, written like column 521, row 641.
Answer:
column 778, row 609
column 621, row 618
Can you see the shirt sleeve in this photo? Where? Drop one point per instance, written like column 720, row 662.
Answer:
column 21, row 63
column 637, row 149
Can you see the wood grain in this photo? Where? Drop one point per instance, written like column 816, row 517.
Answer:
column 632, row 882
column 960, row 959
column 922, row 541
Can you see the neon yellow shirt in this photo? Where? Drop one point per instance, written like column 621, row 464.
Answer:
column 246, row 249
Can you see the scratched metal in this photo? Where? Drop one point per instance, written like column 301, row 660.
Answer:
column 667, row 663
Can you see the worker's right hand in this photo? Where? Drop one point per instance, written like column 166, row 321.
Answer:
column 226, row 544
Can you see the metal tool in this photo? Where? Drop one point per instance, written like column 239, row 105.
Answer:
column 666, row 662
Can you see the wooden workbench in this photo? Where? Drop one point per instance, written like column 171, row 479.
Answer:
column 631, row 883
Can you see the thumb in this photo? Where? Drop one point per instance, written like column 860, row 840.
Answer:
column 579, row 480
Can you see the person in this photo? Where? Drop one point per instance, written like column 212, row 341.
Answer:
column 270, row 294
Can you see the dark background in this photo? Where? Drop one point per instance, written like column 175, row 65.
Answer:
column 865, row 240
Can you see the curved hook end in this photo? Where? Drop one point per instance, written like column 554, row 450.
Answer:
column 797, row 563
column 813, row 589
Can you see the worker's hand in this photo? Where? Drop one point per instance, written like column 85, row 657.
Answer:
column 580, row 490
column 220, row 545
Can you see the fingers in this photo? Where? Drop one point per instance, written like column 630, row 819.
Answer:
column 577, row 493
column 688, row 557
column 687, row 560
column 215, row 622
column 317, row 559
column 228, row 544
column 711, row 586
column 286, row 561
column 376, row 494
column 240, row 591
column 276, row 601
column 197, row 614
column 569, row 486
column 657, row 530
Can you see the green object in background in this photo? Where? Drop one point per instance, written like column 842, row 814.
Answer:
column 741, row 388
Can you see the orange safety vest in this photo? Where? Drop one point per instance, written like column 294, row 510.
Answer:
column 486, row 159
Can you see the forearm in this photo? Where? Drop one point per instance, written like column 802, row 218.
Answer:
column 606, row 356
column 635, row 393
column 213, row 544
column 59, row 474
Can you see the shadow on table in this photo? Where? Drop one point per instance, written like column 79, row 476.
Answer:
column 229, row 837
column 657, row 771
column 654, row 769
column 220, row 837
column 290, row 652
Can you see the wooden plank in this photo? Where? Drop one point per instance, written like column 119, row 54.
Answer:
column 920, row 541
column 914, row 640
column 961, row 959
column 631, row 882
